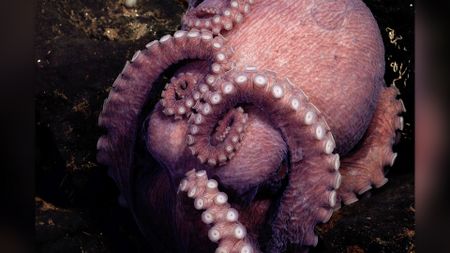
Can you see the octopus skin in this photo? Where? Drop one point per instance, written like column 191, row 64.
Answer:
column 274, row 113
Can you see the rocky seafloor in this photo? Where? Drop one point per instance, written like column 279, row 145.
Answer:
column 80, row 48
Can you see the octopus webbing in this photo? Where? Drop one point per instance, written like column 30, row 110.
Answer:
column 274, row 113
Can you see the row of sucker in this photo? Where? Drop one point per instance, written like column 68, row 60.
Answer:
column 218, row 20
column 132, row 87
column 225, row 229
column 177, row 97
column 364, row 168
column 310, row 142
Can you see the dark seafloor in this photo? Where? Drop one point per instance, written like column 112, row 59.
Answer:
column 80, row 48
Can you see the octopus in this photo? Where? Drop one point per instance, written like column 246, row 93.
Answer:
column 251, row 124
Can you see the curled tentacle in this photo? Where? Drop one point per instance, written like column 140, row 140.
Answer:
column 131, row 90
column 218, row 146
column 313, row 175
column 177, row 97
column 216, row 15
column 224, row 127
column 225, row 227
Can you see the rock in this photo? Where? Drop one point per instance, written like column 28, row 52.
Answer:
column 63, row 230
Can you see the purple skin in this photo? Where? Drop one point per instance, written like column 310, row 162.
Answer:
column 266, row 108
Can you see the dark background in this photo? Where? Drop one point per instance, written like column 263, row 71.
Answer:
column 79, row 48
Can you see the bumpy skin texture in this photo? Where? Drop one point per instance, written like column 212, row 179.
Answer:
column 265, row 98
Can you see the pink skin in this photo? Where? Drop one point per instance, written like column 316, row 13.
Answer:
column 266, row 109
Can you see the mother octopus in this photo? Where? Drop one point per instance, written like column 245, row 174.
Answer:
column 241, row 152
